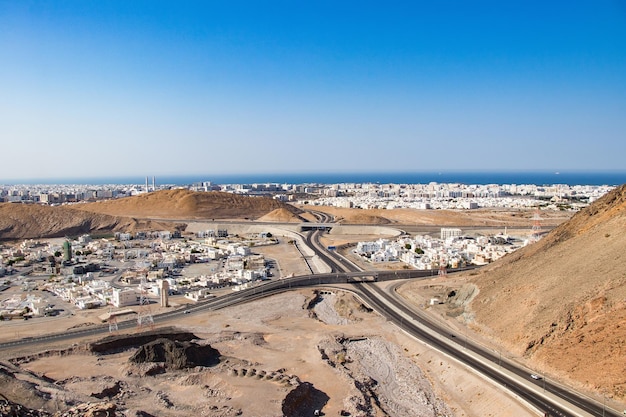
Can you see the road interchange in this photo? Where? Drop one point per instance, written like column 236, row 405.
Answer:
column 546, row 396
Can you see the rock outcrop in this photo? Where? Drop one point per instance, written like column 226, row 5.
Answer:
column 124, row 341
column 303, row 400
column 176, row 355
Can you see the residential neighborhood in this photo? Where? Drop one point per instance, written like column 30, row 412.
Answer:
column 358, row 195
column 123, row 270
column 451, row 250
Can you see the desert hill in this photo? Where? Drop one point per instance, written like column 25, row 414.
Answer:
column 282, row 215
column 185, row 204
column 21, row 221
column 561, row 302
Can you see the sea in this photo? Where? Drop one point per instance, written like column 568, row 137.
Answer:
column 610, row 178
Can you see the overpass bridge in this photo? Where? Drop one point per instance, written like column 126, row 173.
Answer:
column 365, row 276
column 305, row 227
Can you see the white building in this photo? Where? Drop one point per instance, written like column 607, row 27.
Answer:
column 123, row 297
column 198, row 295
column 447, row 232
column 87, row 302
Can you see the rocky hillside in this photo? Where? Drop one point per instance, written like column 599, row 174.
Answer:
column 561, row 302
column 185, row 204
column 21, row 221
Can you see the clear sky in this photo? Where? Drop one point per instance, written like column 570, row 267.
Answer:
column 118, row 88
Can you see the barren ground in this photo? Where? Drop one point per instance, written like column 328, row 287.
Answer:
column 274, row 336
column 279, row 335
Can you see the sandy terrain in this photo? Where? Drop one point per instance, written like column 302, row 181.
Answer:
column 279, row 335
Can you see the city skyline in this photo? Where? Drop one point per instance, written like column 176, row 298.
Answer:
column 200, row 88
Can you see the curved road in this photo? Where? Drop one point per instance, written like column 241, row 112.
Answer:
column 542, row 394
column 552, row 399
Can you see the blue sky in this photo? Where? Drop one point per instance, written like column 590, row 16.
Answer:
column 119, row 88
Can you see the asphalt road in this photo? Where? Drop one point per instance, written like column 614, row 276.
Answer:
column 552, row 399
column 542, row 394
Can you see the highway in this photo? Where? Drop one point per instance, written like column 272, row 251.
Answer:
column 250, row 294
column 550, row 398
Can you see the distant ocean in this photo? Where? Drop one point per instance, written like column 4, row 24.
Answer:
column 470, row 177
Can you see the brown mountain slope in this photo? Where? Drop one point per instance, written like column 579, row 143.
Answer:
column 282, row 215
column 21, row 221
column 185, row 204
column 562, row 301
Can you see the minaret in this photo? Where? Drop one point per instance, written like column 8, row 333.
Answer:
column 164, row 288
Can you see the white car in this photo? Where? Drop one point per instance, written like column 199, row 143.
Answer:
column 533, row 376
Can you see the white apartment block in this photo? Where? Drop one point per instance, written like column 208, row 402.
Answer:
column 447, row 232
column 123, row 297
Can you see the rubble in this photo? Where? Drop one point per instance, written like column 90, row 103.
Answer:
column 107, row 409
column 386, row 383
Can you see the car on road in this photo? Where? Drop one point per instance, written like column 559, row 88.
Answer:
column 533, row 376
